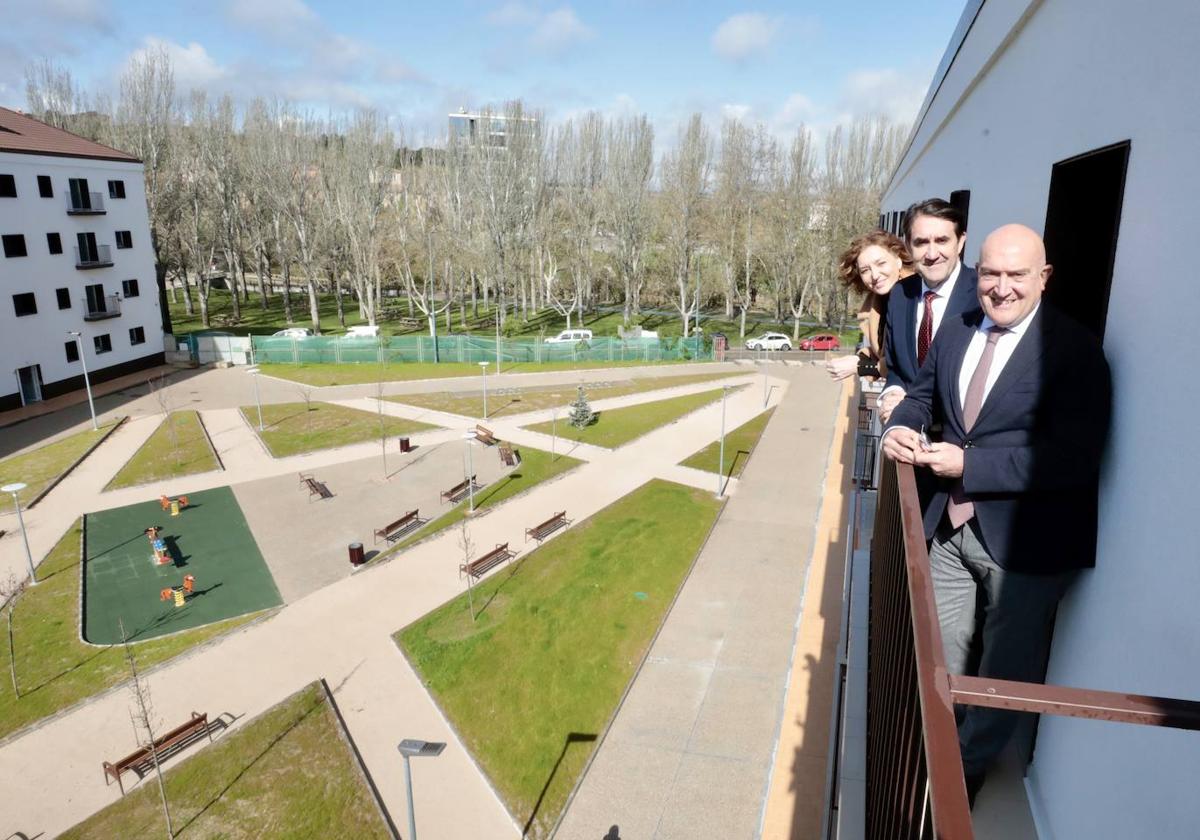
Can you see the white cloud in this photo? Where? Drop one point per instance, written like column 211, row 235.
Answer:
column 744, row 35
column 888, row 92
column 559, row 30
column 736, row 111
column 193, row 66
column 272, row 15
column 514, row 14
column 796, row 109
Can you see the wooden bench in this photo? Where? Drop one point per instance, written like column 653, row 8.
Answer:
column 507, row 456
column 484, row 435
column 396, row 530
column 541, row 531
column 458, row 490
column 315, row 488
column 142, row 761
column 480, row 567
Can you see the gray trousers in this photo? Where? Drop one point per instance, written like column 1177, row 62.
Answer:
column 1013, row 620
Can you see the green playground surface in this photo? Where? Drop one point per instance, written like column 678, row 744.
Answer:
column 209, row 540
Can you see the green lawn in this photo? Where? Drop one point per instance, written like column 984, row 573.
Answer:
column 739, row 444
column 536, row 467
column 44, row 464
column 287, row 773
column 293, row 429
column 534, row 399
column 321, row 375
column 162, row 457
column 532, row 683
column 54, row 668
column 616, row 427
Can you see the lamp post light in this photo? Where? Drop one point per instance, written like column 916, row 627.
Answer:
column 86, row 382
column 409, row 748
column 253, row 371
column 16, row 488
column 483, row 373
column 469, row 437
column 721, row 457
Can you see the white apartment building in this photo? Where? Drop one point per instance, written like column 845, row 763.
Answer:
column 75, row 256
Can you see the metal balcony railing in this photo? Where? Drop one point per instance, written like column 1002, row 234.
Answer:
column 98, row 257
column 86, row 204
column 915, row 787
column 108, row 306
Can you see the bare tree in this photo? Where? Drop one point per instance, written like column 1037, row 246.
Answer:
column 625, row 192
column 686, row 171
column 141, row 715
column 162, row 398
column 306, row 394
column 467, row 546
column 10, row 590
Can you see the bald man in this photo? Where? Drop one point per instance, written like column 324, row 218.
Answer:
column 1023, row 394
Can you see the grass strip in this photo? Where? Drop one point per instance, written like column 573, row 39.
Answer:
column 508, row 401
column 296, row 428
column 739, row 445
column 532, row 682
column 287, row 773
column 323, row 375
column 43, row 465
column 54, row 668
column 536, row 466
column 617, row 426
column 177, row 447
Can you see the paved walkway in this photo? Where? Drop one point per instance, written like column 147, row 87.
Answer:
column 690, row 752
column 341, row 631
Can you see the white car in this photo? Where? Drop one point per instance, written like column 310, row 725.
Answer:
column 293, row 332
column 570, row 336
column 769, row 341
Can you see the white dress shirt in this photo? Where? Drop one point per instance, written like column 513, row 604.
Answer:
column 1005, row 346
column 940, row 302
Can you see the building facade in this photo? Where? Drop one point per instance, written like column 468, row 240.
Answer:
column 76, row 258
column 1079, row 118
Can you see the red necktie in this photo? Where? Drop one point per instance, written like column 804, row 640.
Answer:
column 960, row 508
column 925, row 334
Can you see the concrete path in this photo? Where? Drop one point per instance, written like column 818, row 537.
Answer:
column 341, row 631
column 690, row 751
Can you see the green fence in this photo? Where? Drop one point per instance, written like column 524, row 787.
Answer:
column 468, row 348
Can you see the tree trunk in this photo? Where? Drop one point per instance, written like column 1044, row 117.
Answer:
column 287, row 293
column 337, row 291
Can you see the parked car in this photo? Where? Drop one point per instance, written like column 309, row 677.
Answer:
column 821, row 342
column 293, row 332
column 362, row 331
column 769, row 341
column 568, row 336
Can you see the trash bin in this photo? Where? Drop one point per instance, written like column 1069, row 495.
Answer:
column 356, row 554
column 405, row 446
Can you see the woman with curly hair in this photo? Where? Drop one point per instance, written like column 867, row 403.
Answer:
column 872, row 264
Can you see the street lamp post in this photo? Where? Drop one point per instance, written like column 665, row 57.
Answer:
column 86, row 382
column 16, row 488
column 469, row 437
column 721, row 458
column 253, row 371
column 409, row 748
column 483, row 372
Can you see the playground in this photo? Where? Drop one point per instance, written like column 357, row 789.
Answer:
column 138, row 558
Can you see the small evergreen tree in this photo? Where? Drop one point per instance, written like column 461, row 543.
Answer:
column 581, row 412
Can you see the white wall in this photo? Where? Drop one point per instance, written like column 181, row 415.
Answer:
column 39, row 339
column 1079, row 75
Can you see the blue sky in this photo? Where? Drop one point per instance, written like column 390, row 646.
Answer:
column 778, row 63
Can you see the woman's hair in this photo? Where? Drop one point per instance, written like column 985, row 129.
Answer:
column 848, row 263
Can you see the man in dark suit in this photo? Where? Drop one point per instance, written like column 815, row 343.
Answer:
column 1024, row 398
column 942, row 288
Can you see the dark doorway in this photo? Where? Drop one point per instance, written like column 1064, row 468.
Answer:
column 961, row 199
column 1083, row 218
column 30, row 379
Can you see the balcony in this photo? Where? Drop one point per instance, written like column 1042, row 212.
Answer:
column 914, row 784
column 108, row 306
column 86, row 204
column 99, row 257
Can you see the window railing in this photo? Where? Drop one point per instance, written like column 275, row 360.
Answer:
column 98, row 257
column 915, row 787
column 108, row 306
column 86, row 204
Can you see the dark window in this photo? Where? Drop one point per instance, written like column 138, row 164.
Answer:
column 129, row 288
column 81, row 199
column 25, row 304
column 72, row 351
column 88, row 252
column 54, row 242
column 102, row 343
column 116, row 189
column 961, row 199
column 95, row 297
column 14, row 245
column 64, row 298
column 137, row 335
column 124, row 239
column 45, row 188
column 8, row 186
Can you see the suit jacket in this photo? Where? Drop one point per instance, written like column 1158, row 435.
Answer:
column 1031, row 461
column 900, row 341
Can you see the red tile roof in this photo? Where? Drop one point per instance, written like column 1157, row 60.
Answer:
column 22, row 133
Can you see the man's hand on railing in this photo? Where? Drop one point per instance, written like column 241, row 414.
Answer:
column 901, row 445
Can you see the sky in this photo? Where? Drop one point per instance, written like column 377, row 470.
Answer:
column 779, row 63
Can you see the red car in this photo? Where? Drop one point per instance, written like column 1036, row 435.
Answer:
column 821, row 342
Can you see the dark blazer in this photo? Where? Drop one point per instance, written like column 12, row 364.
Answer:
column 1031, row 462
column 900, row 340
